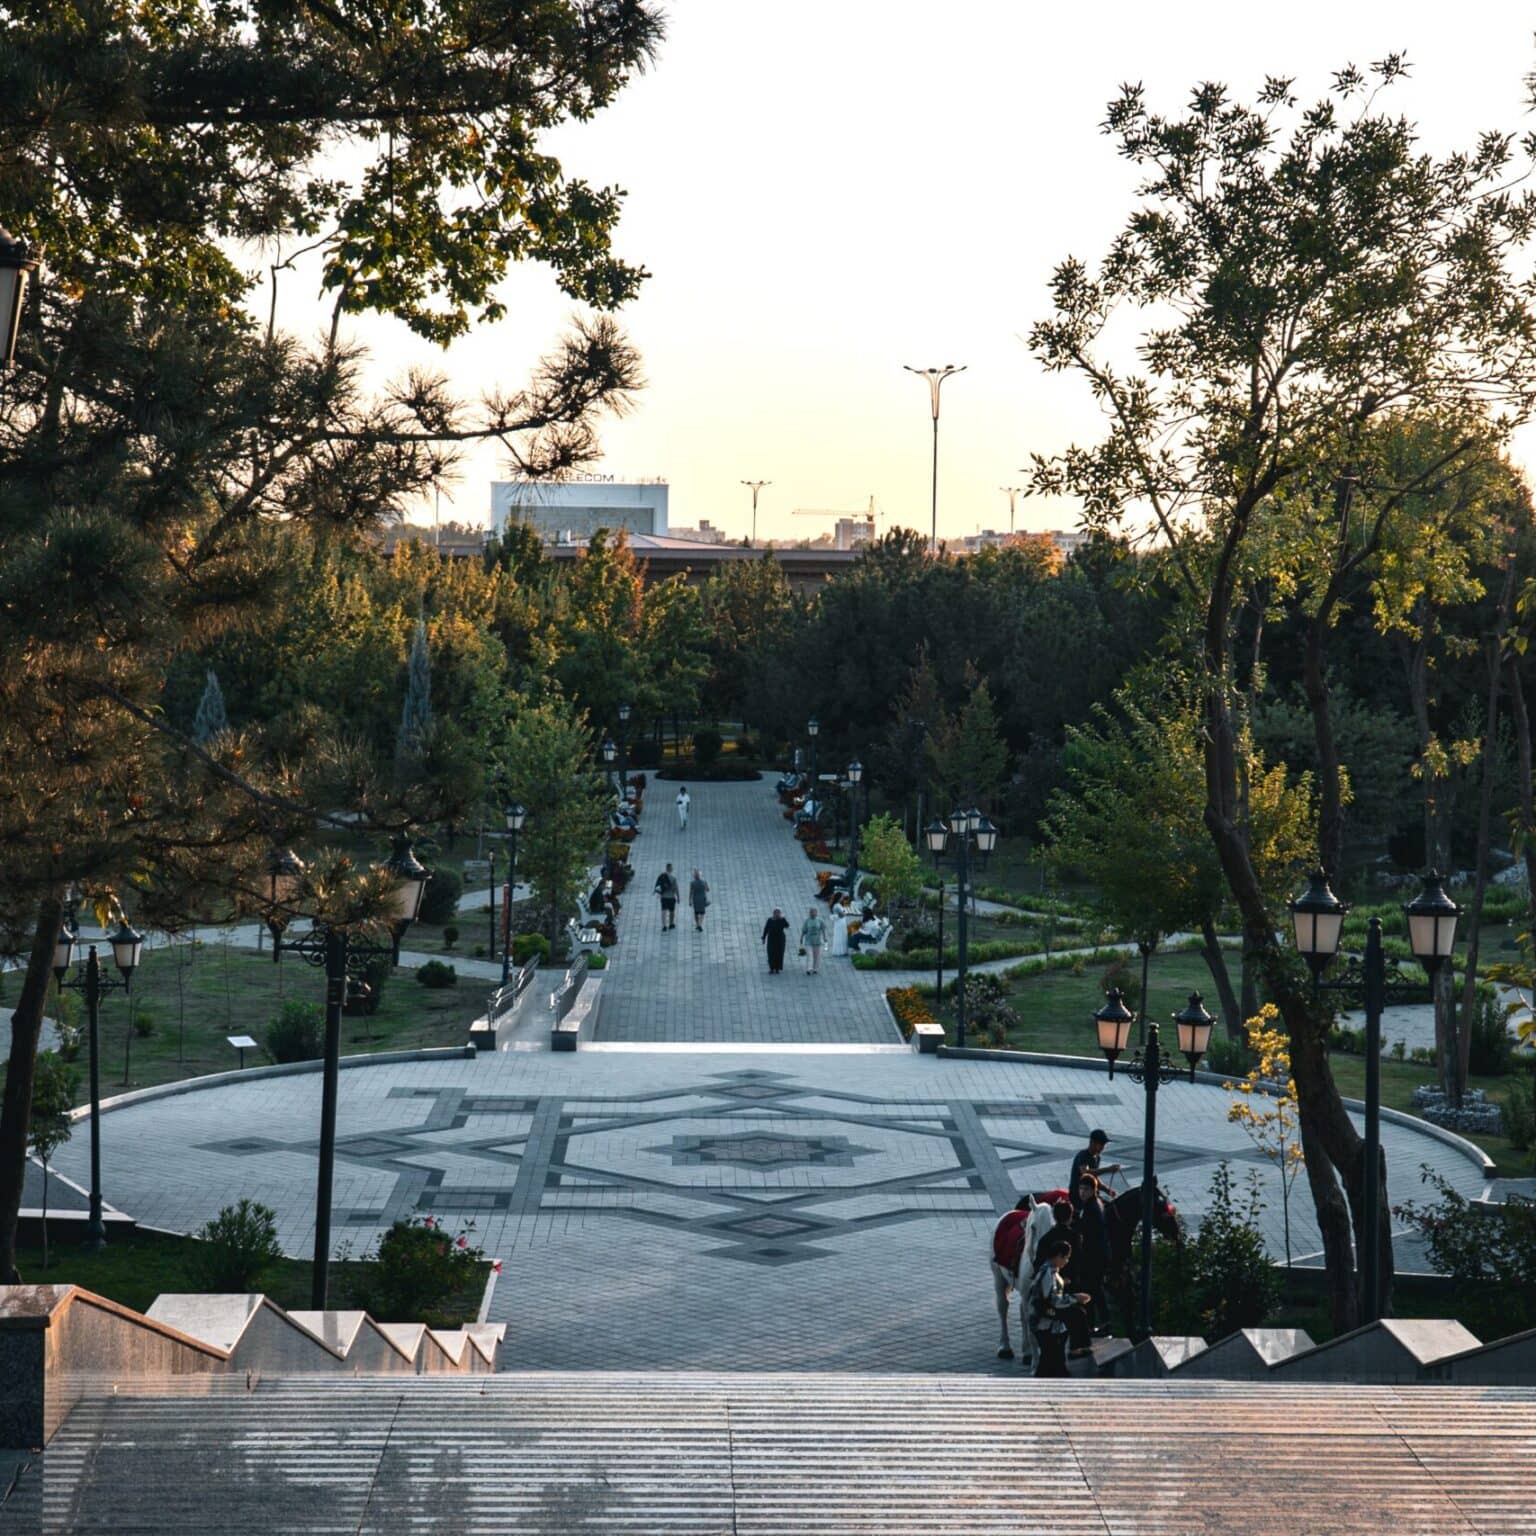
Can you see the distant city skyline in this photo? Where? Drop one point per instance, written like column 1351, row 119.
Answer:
column 826, row 193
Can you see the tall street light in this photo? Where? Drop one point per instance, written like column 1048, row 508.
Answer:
column 1318, row 918
column 92, row 984
column 517, row 814
column 624, row 713
column 609, row 752
column 1012, row 492
column 813, row 730
column 17, row 264
column 966, row 824
column 855, row 778
column 755, row 486
column 935, row 378
column 345, row 956
column 1151, row 1067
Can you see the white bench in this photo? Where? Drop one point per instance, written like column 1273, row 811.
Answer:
column 582, row 938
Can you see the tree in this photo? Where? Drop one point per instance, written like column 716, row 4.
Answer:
column 967, row 755
column 1301, row 277
column 416, row 713
column 893, row 861
column 53, row 1096
column 544, row 759
column 1273, row 1127
column 210, row 720
column 156, row 431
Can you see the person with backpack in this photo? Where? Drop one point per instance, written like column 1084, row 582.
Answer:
column 1051, row 1311
column 1008, row 1243
column 666, row 889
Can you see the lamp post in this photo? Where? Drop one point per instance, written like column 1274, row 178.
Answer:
column 813, row 730
column 345, row 957
column 935, row 378
column 624, row 710
column 1317, row 916
column 127, row 949
column 965, row 824
column 17, row 264
column 609, row 752
column 755, row 486
column 1012, row 492
column 516, row 814
column 935, row 835
column 1151, row 1067
column 855, row 778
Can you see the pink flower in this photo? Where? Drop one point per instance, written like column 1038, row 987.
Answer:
column 496, row 1267
column 463, row 1242
column 429, row 1221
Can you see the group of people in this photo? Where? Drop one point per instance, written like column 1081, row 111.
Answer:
column 814, row 933
column 668, row 891
column 1054, row 1254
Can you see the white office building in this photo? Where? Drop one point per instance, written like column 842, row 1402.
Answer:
column 572, row 510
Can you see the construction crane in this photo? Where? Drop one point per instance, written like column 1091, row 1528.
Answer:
column 869, row 514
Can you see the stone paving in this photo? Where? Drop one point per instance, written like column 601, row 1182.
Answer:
column 699, row 1209
column 714, row 986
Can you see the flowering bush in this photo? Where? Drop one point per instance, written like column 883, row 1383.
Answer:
column 910, row 1008
column 1266, row 1106
column 419, row 1269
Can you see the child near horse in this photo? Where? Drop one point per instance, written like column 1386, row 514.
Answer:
column 1051, row 1309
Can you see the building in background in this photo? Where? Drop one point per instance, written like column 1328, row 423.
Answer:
column 573, row 510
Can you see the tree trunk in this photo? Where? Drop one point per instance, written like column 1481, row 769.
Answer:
column 1330, row 818
column 1221, row 978
column 16, row 1108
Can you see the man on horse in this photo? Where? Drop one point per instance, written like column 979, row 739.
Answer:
column 1087, row 1161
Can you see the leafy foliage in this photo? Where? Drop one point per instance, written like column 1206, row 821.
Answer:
column 296, row 1032
column 418, row 1267
column 891, row 859
column 436, row 974
column 1266, row 1106
column 238, row 1246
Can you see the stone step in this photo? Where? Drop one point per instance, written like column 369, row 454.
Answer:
column 760, row 1455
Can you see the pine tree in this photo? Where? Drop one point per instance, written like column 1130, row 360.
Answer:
column 416, row 716
column 210, row 720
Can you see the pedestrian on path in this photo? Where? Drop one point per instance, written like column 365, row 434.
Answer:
column 683, row 802
column 840, row 916
column 776, row 937
column 813, row 938
column 698, row 899
column 666, row 889
column 1051, row 1307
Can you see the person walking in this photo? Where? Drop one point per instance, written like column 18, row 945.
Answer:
column 840, row 915
column 698, row 899
column 776, row 936
column 666, row 889
column 683, row 802
column 1007, row 1256
column 813, row 938
column 1050, row 1309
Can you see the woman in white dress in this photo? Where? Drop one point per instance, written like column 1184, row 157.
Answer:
column 839, row 929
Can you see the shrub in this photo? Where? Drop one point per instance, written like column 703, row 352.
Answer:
column 417, row 1269
column 597, row 962
column 919, row 935
column 440, row 900
column 1520, row 1112
column 706, row 747
column 987, row 1014
column 1230, row 1282
column 1224, row 1054
column 237, row 1247
column 1121, row 973
column 450, row 936
column 1348, row 1042
column 526, row 945
column 1490, row 1051
column 479, row 951
column 435, row 974
column 143, row 1023
column 295, row 1032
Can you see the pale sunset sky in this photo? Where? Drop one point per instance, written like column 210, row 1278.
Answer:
column 825, row 190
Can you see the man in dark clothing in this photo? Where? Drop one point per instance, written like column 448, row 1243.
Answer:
column 1090, row 1253
column 666, row 889
column 1087, row 1161
column 775, row 936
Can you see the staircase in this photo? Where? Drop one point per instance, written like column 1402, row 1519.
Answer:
column 759, row 1455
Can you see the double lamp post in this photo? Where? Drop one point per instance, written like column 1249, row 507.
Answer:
column 966, row 825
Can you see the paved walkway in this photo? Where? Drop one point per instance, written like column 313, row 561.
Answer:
column 698, row 1209
column 714, row 987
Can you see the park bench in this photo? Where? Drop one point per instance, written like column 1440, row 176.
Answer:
column 582, row 937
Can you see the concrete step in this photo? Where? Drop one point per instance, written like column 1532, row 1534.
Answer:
column 761, row 1455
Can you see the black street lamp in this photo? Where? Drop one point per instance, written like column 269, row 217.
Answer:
column 966, row 824
column 1151, row 1066
column 1318, row 918
column 610, row 752
column 516, row 814
column 935, row 835
column 624, row 712
column 813, row 730
column 17, row 264
column 345, row 957
column 127, row 949
column 851, row 874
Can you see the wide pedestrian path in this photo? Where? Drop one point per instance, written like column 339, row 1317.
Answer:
column 714, row 987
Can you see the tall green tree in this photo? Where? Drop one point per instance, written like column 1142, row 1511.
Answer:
column 211, row 719
column 1297, row 275
column 53, row 1097
column 416, row 713
column 967, row 756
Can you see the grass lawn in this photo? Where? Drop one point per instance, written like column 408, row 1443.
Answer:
column 1055, row 1012
column 133, row 1270
column 199, row 994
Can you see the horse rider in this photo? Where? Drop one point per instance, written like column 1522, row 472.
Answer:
column 1007, row 1255
column 1087, row 1161
column 1090, row 1251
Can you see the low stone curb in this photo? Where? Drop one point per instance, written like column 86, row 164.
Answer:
column 1474, row 1154
column 282, row 1069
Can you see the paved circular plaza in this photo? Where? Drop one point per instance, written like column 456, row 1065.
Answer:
column 744, row 1171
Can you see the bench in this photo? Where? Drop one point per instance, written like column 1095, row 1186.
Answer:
column 580, row 1020
column 872, row 936
column 927, row 1038
column 582, row 937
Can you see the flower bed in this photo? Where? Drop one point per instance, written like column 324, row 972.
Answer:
column 909, row 1008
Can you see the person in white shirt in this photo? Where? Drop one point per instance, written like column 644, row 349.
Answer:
column 683, row 802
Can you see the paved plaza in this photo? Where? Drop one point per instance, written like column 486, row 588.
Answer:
column 704, row 1209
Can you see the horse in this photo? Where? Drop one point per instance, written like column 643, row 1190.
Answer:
column 1122, row 1216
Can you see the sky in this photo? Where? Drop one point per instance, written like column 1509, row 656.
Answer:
column 825, row 190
